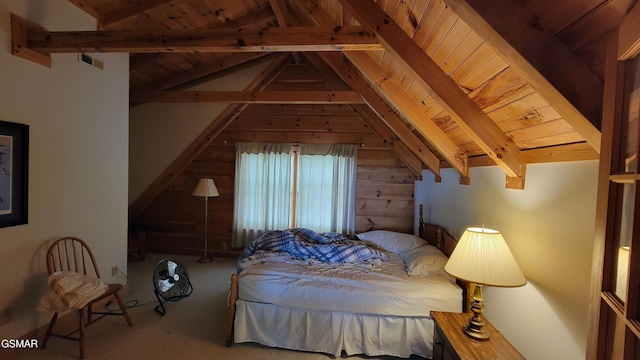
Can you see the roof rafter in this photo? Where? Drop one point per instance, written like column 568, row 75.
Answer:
column 443, row 89
column 352, row 76
column 400, row 149
column 355, row 79
column 257, row 19
column 279, row 8
column 392, row 92
column 430, row 130
column 187, row 76
column 560, row 77
column 200, row 143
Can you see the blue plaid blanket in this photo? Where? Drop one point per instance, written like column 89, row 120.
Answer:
column 306, row 244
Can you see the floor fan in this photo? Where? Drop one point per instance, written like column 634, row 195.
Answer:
column 171, row 282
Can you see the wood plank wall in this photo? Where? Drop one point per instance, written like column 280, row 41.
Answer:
column 384, row 186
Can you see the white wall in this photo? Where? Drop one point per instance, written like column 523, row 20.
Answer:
column 549, row 227
column 159, row 132
column 78, row 163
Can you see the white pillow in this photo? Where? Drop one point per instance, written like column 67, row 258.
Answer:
column 424, row 260
column 391, row 241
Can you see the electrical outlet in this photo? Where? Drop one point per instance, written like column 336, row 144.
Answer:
column 114, row 270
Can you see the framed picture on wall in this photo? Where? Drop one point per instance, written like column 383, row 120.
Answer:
column 14, row 180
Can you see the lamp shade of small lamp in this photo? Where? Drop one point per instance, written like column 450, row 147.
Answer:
column 206, row 188
column 482, row 257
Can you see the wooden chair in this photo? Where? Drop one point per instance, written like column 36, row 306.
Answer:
column 73, row 254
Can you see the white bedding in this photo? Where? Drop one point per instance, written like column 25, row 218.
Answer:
column 346, row 308
column 384, row 290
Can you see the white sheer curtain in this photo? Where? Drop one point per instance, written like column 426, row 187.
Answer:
column 326, row 187
column 262, row 193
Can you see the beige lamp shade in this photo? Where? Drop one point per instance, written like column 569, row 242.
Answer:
column 206, row 188
column 483, row 257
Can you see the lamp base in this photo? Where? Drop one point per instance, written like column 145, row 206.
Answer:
column 205, row 259
column 475, row 329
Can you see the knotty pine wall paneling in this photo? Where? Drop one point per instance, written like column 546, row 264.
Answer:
column 384, row 185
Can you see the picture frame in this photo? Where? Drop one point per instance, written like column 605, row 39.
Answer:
column 14, row 179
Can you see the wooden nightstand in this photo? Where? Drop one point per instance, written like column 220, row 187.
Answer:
column 450, row 343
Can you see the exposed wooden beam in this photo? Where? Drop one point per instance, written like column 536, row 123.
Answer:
column 516, row 182
column 280, row 10
column 257, row 19
column 443, row 89
column 205, row 138
column 400, row 149
column 559, row 153
column 212, row 40
column 248, row 97
column 116, row 16
column 230, row 62
column 543, row 60
column 391, row 140
column 398, row 97
column 350, row 74
column 186, row 76
column 392, row 92
column 19, row 30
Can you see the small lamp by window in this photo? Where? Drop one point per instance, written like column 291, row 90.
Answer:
column 482, row 257
column 205, row 188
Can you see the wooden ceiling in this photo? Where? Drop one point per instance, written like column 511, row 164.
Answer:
column 460, row 82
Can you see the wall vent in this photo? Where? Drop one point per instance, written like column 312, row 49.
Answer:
column 88, row 59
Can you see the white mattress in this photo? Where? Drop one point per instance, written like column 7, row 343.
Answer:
column 385, row 290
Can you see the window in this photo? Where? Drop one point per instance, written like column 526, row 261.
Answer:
column 280, row 186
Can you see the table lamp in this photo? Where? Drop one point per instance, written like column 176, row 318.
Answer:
column 482, row 257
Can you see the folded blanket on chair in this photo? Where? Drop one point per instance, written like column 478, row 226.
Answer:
column 70, row 290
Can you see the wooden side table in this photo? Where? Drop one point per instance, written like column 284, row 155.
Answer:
column 450, row 343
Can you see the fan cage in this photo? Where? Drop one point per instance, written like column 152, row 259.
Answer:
column 179, row 287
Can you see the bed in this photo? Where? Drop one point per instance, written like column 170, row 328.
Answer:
column 375, row 307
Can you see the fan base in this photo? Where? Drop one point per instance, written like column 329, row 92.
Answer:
column 204, row 259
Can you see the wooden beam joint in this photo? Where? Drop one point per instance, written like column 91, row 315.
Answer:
column 19, row 41
column 516, row 182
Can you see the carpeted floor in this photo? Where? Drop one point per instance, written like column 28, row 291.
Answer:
column 192, row 328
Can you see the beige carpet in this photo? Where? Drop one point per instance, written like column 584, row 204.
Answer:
column 192, row 328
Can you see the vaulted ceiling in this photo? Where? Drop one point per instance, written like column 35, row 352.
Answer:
column 460, row 83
